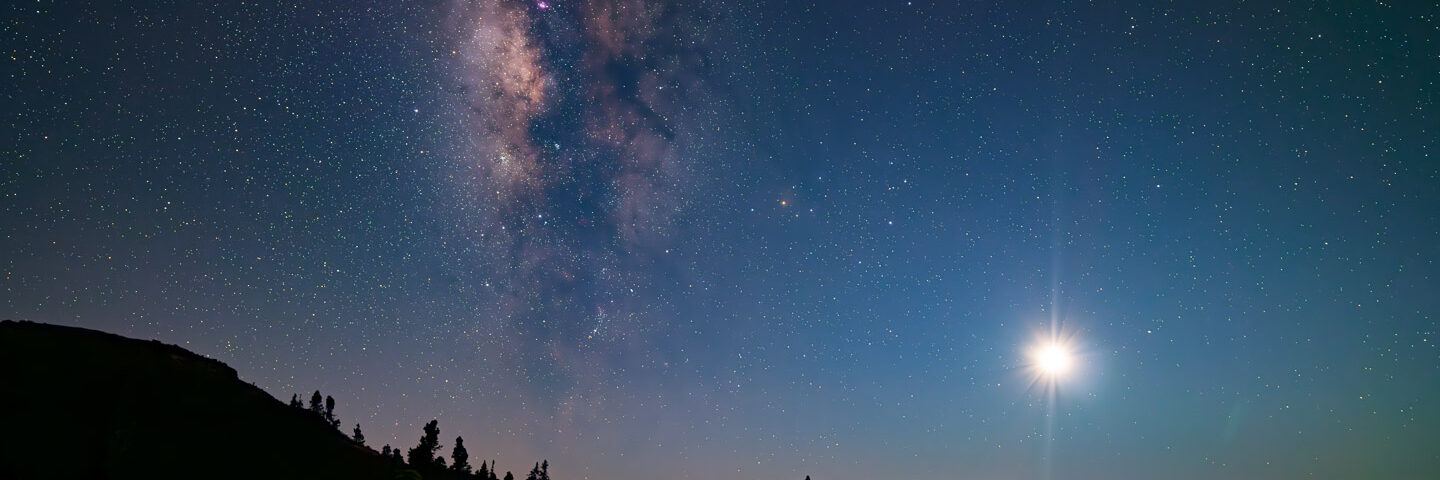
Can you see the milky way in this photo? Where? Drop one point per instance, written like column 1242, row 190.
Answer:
column 582, row 125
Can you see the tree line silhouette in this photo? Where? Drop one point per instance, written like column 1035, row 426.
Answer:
column 424, row 456
column 82, row 404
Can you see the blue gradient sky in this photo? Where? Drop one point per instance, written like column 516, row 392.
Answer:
column 706, row 239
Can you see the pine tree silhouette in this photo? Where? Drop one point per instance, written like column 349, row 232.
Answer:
column 494, row 474
column 358, row 437
column 544, row 470
column 315, row 405
column 534, row 472
column 484, row 473
column 330, row 412
column 459, row 458
column 295, row 401
column 395, row 457
column 424, row 453
column 509, row 476
column 385, row 452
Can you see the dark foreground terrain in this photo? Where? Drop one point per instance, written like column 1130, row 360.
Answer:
column 77, row 403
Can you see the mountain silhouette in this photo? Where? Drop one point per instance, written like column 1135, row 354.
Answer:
column 78, row 403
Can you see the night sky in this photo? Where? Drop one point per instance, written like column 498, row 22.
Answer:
column 706, row 240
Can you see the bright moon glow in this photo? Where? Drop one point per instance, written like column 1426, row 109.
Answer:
column 1052, row 359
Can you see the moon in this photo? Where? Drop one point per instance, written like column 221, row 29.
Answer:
column 1052, row 360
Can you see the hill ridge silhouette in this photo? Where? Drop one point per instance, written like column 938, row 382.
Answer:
column 81, row 403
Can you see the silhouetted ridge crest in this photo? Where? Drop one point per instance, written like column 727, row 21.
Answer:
column 79, row 403
column 82, row 404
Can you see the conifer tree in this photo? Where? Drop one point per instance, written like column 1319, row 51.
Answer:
column 295, row 401
column 424, row 453
column 509, row 476
column 315, row 405
column 358, row 437
column 385, row 452
column 330, row 412
column 459, row 458
column 484, row 473
column 545, row 470
column 534, row 472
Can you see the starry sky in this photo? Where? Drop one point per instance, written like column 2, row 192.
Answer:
column 711, row 239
